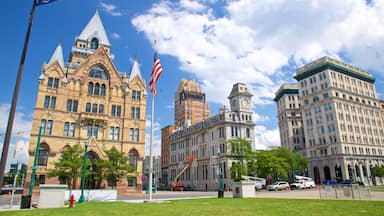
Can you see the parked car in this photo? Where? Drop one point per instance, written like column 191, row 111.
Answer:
column 303, row 184
column 280, row 185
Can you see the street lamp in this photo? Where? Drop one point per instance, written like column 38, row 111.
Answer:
column 81, row 199
column 220, row 175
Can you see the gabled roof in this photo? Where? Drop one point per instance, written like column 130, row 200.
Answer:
column 57, row 56
column 135, row 71
column 95, row 28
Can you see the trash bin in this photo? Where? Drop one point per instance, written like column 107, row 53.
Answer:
column 220, row 194
column 25, row 201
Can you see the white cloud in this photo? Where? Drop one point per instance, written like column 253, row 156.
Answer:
column 253, row 41
column 22, row 123
column 265, row 138
column 20, row 135
column 111, row 9
column 115, row 35
column 156, row 145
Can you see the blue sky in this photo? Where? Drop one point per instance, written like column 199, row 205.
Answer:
column 259, row 43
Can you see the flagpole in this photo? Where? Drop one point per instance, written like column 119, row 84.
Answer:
column 12, row 111
column 150, row 151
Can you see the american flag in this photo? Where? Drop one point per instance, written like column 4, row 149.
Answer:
column 41, row 2
column 157, row 70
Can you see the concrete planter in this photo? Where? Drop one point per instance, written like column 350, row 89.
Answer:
column 243, row 189
column 52, row 195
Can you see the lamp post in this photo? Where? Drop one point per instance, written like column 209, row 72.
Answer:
column 34, row 168
column 220, row 175
column 81, row 199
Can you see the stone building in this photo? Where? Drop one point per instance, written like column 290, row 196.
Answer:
column 290, row 120
column 342, row 123
column 204, row 139
column 87, row 99
column 190, row 104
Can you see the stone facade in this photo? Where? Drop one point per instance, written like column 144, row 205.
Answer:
column 204, row 139
column 342, row 121
column 290, row 120
column 88, row 99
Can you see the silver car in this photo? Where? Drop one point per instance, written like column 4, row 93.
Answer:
column 279, row 185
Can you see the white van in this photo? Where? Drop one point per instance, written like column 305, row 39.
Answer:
column 303, row 182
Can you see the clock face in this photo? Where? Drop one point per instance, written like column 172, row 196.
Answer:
column 245, row 103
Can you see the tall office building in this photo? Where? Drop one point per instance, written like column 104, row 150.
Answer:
column 343, row 127
column 190, row 105
column 290, row 120
column 87, row 100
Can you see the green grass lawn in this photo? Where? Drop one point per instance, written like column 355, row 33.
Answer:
column 227, row 206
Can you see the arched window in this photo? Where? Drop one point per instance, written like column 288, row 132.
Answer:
column 43, row 154
column 102, row 90
column 98, row 72
column 97, row 89
column 90, row 88
column 94, row 43
column 133, row 156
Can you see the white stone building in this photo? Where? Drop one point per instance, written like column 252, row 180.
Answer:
column 342, row 123
column 204, row 139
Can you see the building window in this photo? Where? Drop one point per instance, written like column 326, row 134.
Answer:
column 94, row 108
column 97, row 89
column 53, row 82
column 247, row 132
column 94, row 43
column 133, row 156
column 90, row 88
column 92, row 130
column 49, row 127
column 72, row 105
column 88, row 107
column 98, row 72
column 101, row 109
column 131, row 134
column 69, row 129
column 116, row 110
column 42, row 160
column 136, row 95
column 137, row 135
column 135, row 112
column 114, row 133
column 50, row 102
column 102, row 90
column 72, row 130
column 66, row 128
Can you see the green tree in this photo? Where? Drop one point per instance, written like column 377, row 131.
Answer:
column 378, row 171
column 113, row 168
column 241, row 151
column 294, row 160
column 69, row 166
column 270, row 164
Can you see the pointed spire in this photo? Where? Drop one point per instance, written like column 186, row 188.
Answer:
column 95, row 29
column 57, row 56
column 135, row 71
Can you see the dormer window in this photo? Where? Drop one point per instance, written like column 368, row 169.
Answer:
column 94, row 43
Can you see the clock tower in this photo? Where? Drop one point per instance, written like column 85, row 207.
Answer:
column 240, row 98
